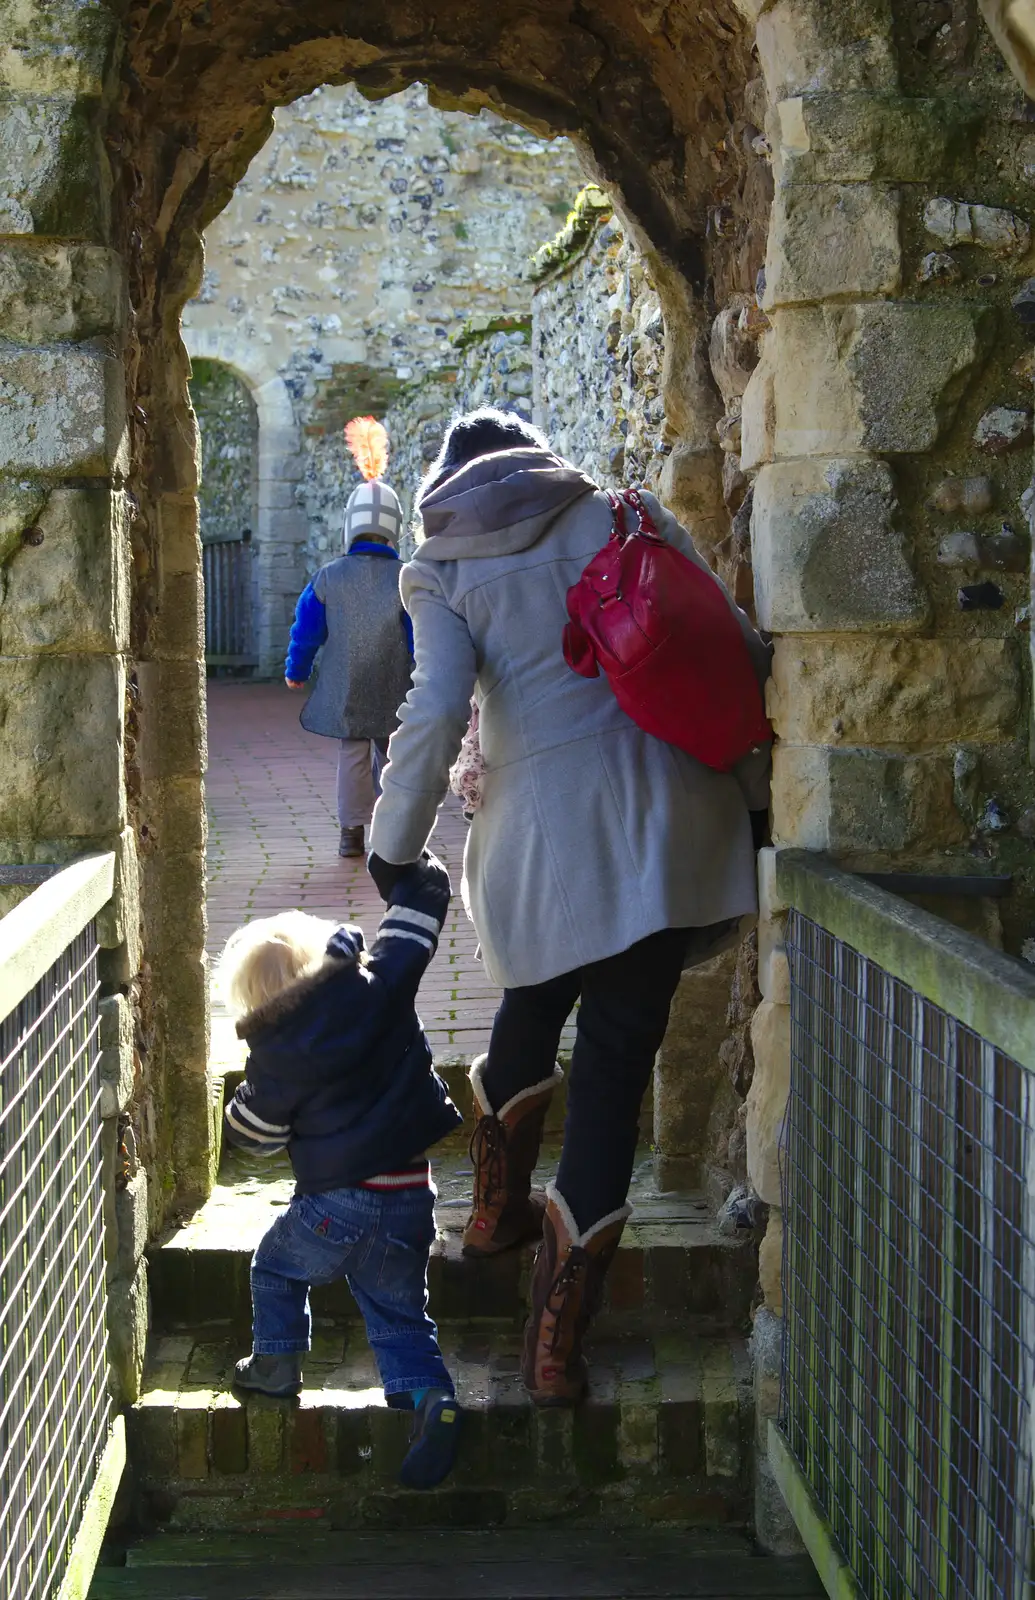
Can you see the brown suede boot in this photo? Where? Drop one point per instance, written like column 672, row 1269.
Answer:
column 504, row 1149
column 569, row 1275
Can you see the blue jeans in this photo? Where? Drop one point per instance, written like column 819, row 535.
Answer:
column 378, row 1242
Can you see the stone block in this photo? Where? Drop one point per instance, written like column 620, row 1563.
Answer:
column 863, row 801
column 61, row 720
column 917, row 693
column 865, row 138
column 20, row 505
column 832, row 241
column 172, row 719
column 176, row 882
column 116, row 1059
column 131, row 1220
column 770, row 1263
column 774, row 973
column 178, row 533
column 770, row 902
column 62, row 50
column 51, row 291
column 773, row 1526
column 826, row 554
column 56, row 176
column 767, row 1098
column 62, row 410
column 127, row 1332
column 884, row 376
column 954, row 223
column 178, row 631
column 68, row 592
column 688, row 1070
column 691, row 488
column 812, row 47
column 175, row 813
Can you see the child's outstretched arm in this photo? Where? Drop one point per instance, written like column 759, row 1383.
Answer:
column 256, row 1121
column 308, row 633
column 417, row 901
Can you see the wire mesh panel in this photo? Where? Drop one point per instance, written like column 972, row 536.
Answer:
column 54, row 1408
column 909, row 1281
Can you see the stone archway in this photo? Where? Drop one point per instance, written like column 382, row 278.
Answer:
column 281, row 529
column 894, row 370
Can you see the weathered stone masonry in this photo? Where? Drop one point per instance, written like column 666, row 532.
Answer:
column 892, row 363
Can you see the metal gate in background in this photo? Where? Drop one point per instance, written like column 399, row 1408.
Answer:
column 227, row 568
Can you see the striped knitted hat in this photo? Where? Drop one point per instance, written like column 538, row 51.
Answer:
column 372, row 508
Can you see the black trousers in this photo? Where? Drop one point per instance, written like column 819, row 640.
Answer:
column 621, row 1022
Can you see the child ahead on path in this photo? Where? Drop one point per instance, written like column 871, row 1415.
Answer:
column 352, row 611
column 340, row 1073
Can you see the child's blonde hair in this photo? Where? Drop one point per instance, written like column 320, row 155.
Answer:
column 264, row 957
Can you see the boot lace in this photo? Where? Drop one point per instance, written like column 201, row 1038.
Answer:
column 488, row 1152
column 567, row 1278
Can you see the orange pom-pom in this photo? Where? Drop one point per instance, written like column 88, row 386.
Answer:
column 368, row 440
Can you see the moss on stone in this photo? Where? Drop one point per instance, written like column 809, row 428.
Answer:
column 479, row 328
column 592, row 207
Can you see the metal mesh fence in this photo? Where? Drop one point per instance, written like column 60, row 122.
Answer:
column 54, row 1408
column 909, row 1281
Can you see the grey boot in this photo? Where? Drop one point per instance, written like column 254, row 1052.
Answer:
column 278, row 1376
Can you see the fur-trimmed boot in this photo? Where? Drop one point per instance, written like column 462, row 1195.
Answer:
column 506, row 1211
column 569, row 1275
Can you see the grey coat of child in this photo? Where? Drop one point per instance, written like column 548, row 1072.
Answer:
column 591, row 833
column 365, row 666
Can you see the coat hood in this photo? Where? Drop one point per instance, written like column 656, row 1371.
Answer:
column 498, row 504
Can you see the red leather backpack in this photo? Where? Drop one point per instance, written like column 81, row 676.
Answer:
column 666, row 638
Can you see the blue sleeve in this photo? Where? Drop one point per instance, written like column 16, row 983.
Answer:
column 257, row 1122
column 308, row 633
column 409, row 932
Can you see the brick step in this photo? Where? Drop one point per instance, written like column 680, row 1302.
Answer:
column 497, row 1564
column 674, row 1264
column 664, row 1437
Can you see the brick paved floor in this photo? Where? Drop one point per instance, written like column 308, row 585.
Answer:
column 273, row 839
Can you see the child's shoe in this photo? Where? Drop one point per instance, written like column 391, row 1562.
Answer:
column 277, row 1376
column 432, row 1442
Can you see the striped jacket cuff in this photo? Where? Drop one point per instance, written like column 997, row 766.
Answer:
column 248, row 1128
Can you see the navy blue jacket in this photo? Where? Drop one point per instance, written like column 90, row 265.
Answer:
column 339, row 1068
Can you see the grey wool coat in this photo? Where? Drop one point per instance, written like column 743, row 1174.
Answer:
column 365, row 667
column 591, row 834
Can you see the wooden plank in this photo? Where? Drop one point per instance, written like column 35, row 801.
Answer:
column 90, row 1536
column 582, row 1578
column 297, row 1547
column 837, row 1577
column 37, row 931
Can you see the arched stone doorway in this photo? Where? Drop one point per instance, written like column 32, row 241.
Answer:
column 893, row 366
column 195, row 104
column 279, row 531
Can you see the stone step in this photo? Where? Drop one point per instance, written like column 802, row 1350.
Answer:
column 674, row 1264
column 494, row 1564
column 663, row 1437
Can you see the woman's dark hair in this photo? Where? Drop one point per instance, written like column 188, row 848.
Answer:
column 479, row 433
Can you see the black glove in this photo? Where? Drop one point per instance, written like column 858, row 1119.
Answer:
column 387, row 875
column 759, row 828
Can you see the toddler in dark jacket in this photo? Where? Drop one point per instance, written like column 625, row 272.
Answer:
column 340, row 1073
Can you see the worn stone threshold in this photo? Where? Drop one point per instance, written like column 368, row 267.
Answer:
column 674, row 1263
column 496, row 1564
column 663, row 1436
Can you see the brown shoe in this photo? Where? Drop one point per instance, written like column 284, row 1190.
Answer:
column 505, row 1148
column 569, row 1274
column 351, row 842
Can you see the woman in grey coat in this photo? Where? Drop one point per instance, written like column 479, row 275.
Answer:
column 600, row 860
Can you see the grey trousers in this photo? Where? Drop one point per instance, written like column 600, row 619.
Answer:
column 359, row 779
